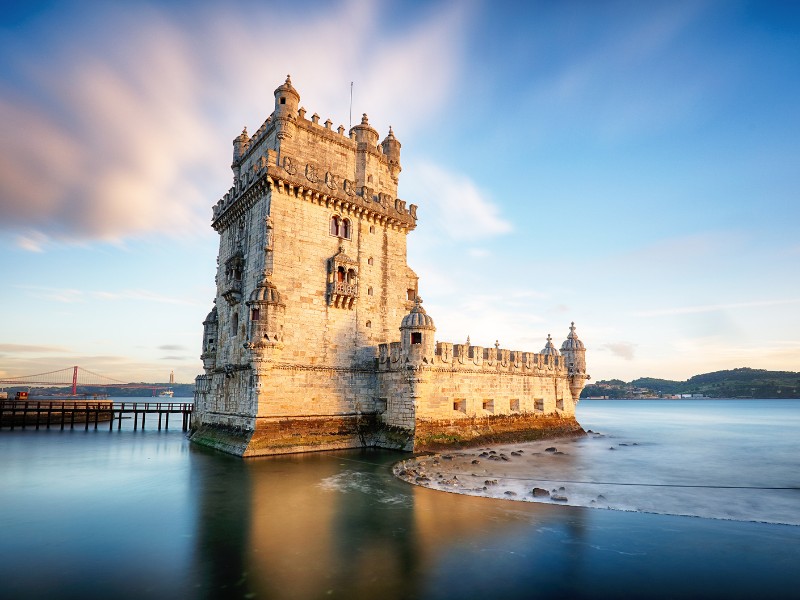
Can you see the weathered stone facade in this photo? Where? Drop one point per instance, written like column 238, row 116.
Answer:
column 301, row 349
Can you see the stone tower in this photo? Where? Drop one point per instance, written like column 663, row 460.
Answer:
column 311, row 277
column 318, row 340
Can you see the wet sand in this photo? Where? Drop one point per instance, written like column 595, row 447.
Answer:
column 524, row 472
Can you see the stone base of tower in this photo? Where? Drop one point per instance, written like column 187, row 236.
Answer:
column 232, row 440
column 273, row 436
column 435, row 435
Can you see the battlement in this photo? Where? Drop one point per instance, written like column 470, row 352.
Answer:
column 466, row 357
column 310, row 182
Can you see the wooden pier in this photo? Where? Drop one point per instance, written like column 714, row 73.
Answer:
column 61, row 413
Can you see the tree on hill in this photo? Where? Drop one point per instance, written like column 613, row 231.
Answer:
column 733, row 383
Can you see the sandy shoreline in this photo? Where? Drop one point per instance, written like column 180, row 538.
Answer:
column 504, row 471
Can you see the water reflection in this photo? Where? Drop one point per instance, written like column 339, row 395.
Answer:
column 146, row 515
column 311, row 525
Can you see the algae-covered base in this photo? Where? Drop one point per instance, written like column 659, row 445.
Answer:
column 314, row 434
column 273, row 436
column 497, row 429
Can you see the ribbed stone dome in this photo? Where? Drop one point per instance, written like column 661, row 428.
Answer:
column 212, row 316
column 549, row 349
column 265, row 293
column 572, row 342
column 417, row 318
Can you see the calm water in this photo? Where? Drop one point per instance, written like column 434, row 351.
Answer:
column 144, row 514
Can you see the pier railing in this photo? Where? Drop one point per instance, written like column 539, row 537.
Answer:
column 60, row 413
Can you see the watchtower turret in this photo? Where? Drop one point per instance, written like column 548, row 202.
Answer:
column 209, row 355
column 286, row 102
column 574, row 354
column 549, row 349
column 266, row 315
column 240, row 145
column 417, row 335
column 391, row 149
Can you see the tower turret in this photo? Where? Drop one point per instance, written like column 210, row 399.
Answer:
column 209, row 355
column 286, row 102
column 574, row 354
column 266, row 315
column 240, row 144
column 391, row 149
column 549, row 349
column 365, row 134
column 417, row 334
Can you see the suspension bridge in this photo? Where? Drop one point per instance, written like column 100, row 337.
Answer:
column 73, row 377
column 22, row 411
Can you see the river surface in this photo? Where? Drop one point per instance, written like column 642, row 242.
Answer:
column 145, row 514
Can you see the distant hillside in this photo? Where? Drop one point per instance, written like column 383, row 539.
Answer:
column 735, row 383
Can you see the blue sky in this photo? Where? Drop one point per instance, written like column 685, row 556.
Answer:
column 631, row 166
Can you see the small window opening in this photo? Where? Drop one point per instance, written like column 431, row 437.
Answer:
column 416, row 337
column 369, row 291
column 369, row 324
column 372, row 228
column 335, row 225
column 255, row 314
column 283, row 100
column 369, row 260
column 235, row 323
column 539, row 404
column 460, row 405
column 411, row 294
column 369, row 179
column 345, row 229
column 340, row 275
column 488, row 405
column 514, row 405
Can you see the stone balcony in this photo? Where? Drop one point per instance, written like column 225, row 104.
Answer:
column 342, row 294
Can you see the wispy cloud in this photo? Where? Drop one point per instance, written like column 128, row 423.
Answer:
column 32, row 349
column 133, row 123
column 624, row 350
column 619, row 70
column 460, row 208
column 172, row 347
column 67, row 295
column 685, row 310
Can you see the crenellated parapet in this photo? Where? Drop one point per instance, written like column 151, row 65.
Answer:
column 313, row 184
column 472, row 359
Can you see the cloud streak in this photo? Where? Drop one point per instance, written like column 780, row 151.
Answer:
column 127, row 132
column 705, row 308
column 69, row 296
column 460, row 208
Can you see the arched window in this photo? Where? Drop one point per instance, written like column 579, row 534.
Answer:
column 344, row 230
column 340, row 275
column 235, row 323
column 255, row 314
column 369, row 260
column 369, row 323
column 335, row 225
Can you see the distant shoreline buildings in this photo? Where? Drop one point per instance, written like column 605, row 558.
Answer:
column 318, row 338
